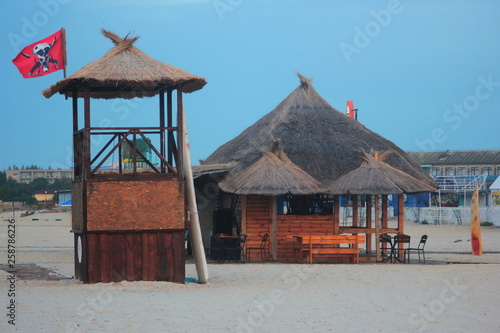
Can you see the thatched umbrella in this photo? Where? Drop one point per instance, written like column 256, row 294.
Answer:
column 131, row 73
column 273, row 174
column 315, row 136
column 375, row 177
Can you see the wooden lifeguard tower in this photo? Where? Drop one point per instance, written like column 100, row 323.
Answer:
column 128, row 220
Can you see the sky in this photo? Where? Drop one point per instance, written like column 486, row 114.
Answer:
column 424, row 74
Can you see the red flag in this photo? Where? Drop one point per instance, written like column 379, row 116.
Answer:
column 41, row 58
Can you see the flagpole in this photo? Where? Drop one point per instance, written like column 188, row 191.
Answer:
column 63, row 34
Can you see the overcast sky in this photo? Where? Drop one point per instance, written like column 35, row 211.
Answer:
column 423, row 74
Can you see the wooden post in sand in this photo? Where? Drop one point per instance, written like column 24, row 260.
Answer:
column 355, row 211
column 385, row 223
column 336, row 214
column 401, row 220
column 368, row 223
column 377, row 228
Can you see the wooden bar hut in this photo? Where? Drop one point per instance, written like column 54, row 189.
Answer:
column 128, row 221
column 317, row 139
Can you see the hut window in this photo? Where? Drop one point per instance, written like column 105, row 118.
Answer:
column 316, row 204
column 462, row 171
column 487, row 171
column 474, row 171
column 450, row 171
column 436, row 171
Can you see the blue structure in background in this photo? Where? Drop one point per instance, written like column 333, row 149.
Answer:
column 411, row 200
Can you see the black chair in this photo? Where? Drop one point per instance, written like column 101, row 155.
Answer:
column 400, row 239
column 386, row 247
column 262, row 249
column 419, row 249
column 237, row 253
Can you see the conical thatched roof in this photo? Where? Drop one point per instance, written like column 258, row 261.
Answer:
column 320, row 140
column 126, row 72
column 375, row 177
column 272, row 174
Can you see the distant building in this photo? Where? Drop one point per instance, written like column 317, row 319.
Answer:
column 64, row 198
column 458, row 172
column 27, row 176
column 45, row 196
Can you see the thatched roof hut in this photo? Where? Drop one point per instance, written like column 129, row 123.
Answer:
column 273, row 174
column 316, row 137
column 131, row 73
column 375, row 177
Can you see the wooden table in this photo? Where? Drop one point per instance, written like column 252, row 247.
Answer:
column 222, row 247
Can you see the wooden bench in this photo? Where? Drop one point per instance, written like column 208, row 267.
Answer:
column 326, row 245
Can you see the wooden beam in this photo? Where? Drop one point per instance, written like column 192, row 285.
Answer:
column 75, row 111
column 76, row 140
column 274, row 228
column 162, row 124
column 377, row 227
column 169, row 124
column 385, row 219
column 355, row 214
column 401, row 213
column 401, row 221
column 244, row 214
column 180, row 130
column 86, row 139
column 336, row 214
column 368, row 223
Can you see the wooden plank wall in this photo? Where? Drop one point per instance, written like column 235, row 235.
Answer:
column 135, row 205
column 258, row 223
column 78, row 206
column 295, row 225
column 133, row 256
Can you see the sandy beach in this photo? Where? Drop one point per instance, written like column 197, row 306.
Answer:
column 454, row 292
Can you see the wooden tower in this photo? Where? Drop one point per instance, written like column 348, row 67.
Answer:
column 128, row 221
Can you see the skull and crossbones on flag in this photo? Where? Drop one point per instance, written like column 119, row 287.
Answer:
column 43, row 57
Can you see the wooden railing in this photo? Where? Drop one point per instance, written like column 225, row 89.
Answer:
column 90, row 164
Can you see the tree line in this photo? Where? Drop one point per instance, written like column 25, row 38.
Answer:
column 25, row 167
column 11, row 190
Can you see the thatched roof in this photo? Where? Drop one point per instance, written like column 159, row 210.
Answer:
column 316, row 137
column 375, row 177
column 272, row 174
column 126, row 72
column 210, row 169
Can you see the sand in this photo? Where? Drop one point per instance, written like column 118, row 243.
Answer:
column 437, row 297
